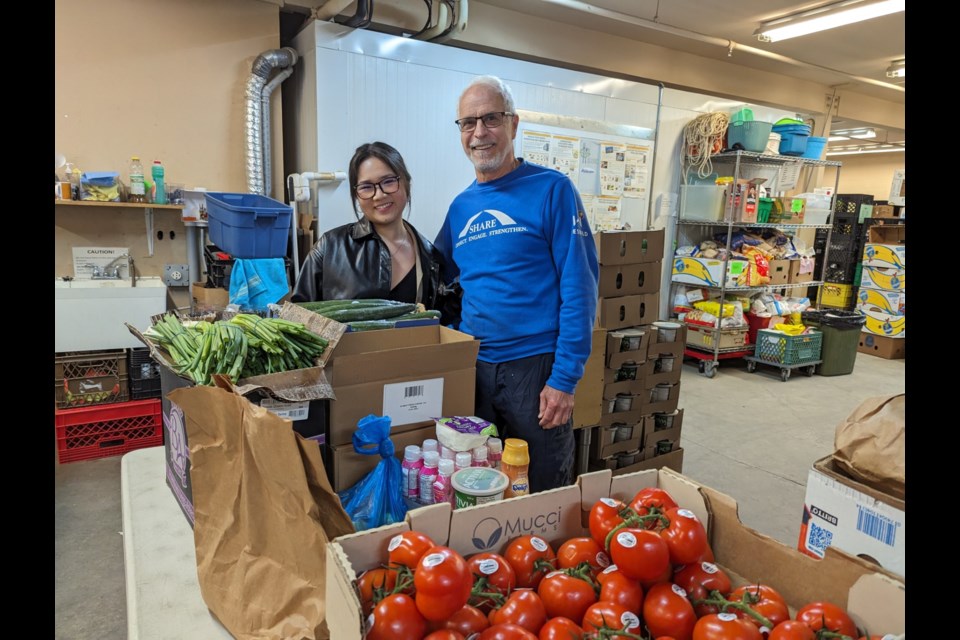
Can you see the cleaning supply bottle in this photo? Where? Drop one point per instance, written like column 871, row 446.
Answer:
column 410, row 468
column 442, row 486
column 137, row 190
column 515, row 463
column 431, row 445
column 160, row 189
column 428, row 475
column 494, row 452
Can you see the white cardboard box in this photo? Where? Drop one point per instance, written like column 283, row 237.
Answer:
column 843, row 513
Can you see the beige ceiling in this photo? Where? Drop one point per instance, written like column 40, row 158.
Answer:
column 854, row 57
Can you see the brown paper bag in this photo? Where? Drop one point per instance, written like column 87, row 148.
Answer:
column 264, row 513
column 869, row 444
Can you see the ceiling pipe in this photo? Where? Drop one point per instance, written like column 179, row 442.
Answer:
column 458, row 24
column 443, row 21
column 361, row 18
column 720, row 42
column 330, row 9
column 262, row 68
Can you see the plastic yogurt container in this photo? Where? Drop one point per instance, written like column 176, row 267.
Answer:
column 478, row 485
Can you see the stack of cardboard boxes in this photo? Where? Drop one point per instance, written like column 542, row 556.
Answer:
column 883, row 292
column 630, row 391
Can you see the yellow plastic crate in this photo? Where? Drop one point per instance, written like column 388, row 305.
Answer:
column 837, row 295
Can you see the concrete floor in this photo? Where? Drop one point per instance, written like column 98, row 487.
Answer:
column 746, row 434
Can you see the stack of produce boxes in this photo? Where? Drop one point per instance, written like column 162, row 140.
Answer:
column 634, row 360
column 883, row 292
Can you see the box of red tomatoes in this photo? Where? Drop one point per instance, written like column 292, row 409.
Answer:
column 671, row 553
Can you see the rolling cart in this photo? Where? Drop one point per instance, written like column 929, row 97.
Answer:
column 785, row 369
column 787, row 352
column 708, row 361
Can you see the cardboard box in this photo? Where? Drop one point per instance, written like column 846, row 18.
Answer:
column 412, row 375
column 658, row 442
column 875, row 598
column 884, row 278
column 624, row 347
column 890, row 302
column 883, row 211
column 629, row 247
column 662, row 369
column 659, row 345
column 841, row 512
column 652, row 400
column 658, row 422
column 609, row 418
column 603, row 442
column 629, row 279
column 706, row 272
column 212, row 299
column 350, row 467
column 883, row 324
column 588, row 397
column 887, row 233
column 889, row 256
column 705, row 336
column 882, row 346
column 672, row 460
column 798, row 278
column 627, row 311
column 780, row 271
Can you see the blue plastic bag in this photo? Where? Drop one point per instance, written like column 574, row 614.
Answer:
column 377, row 499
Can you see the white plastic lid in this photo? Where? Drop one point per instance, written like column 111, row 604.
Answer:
column 494, row 445
column 463, row 459
column 430, row 445
column 446, row 467
column 480, row 453
column 446, row 453
column 430, row 458
column 411, row 453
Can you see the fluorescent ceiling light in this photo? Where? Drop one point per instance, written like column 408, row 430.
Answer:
column 857, row 151
column 897, row 69
column 846, row 134
column 827, row 17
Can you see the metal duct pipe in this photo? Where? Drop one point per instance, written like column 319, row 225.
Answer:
column 267, row 146
column 262, row 67
column 729, row 45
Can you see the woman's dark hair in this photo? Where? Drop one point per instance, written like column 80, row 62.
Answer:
column 389, row 156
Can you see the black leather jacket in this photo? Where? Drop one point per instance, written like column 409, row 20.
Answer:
column 352, row 262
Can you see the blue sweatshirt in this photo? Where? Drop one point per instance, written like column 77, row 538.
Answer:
column 528, row 266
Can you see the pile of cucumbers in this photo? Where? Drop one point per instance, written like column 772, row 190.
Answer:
column 368, row 313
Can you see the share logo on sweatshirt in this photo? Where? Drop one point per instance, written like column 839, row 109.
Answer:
column 488, row 222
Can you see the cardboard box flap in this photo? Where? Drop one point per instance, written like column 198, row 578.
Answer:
column 488, row 527
column 432, row 520
column 330, row 330
column 295, row 386
column 593, row 486
column 881, row 600
column 760, row 558
column 340, row 588
column 357, row 547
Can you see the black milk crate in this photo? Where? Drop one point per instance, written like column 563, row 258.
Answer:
column 849, row 203
column 145, row 388
column 141, row 366
column 219, row 265
column 841, row 273
column 846, row 225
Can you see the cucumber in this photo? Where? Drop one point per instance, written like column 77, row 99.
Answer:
column 379, row 312
column 417, row 315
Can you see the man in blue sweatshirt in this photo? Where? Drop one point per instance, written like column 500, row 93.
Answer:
column 521, row 244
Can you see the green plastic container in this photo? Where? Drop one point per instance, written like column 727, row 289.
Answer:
column 764, row 208
column 780, row 348
column 841, row 337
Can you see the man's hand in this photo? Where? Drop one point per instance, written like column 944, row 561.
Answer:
column 556, row 407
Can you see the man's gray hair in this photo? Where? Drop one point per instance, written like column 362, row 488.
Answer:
column 497, row 85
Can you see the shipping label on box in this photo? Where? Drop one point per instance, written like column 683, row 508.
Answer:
column 884, row 278
column 846, row 514
column 629, row 247
column 885, row 255
column 892, row 303
column 706, row 272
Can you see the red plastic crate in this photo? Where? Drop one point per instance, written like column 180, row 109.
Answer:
column 108, row 430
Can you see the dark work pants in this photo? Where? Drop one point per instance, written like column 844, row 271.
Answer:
column 508, row 395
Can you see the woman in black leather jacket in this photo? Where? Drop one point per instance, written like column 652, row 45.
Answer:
column 381, row 255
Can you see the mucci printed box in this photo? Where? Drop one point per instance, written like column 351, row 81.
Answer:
column 876, row 599
column 841, row 512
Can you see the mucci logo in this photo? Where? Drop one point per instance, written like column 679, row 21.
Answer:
column 820, row 513
column 496, row 223
column 177, row 437
column 489, row 531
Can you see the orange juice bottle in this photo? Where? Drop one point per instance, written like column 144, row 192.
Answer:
column 515, row 463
